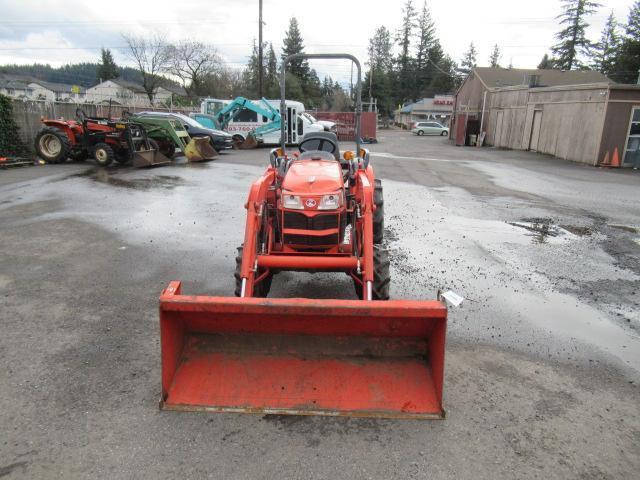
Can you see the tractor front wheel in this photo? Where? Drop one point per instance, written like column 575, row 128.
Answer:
column 381, row 275
column 261, row 289
column 103, row 154
column 378, row 215
column 52, row 145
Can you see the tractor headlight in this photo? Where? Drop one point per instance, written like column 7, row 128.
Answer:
column 331, row 201
column 292, row 201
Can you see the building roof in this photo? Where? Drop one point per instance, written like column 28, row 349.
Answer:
column 11, row 81
column 426, row 105
column 506, row 77
column 59, row 87
column 133, row 86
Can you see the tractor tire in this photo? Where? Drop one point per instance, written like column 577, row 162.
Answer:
column 52, row 145
column 420, row 133
column 378, row 215
column 381, row 275
column 238, row 140
column 103, row 153
column 261, row 290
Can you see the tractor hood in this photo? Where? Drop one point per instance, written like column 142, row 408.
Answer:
column 313, row 176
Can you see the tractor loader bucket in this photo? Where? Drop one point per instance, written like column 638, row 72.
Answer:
column 200, row 149
column 149, row 158
column 302, row 356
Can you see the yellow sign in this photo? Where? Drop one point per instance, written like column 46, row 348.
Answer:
column 75, row 89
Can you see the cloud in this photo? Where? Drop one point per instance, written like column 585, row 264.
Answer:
column 74, row 30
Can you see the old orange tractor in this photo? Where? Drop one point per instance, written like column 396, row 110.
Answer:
column 314, row 210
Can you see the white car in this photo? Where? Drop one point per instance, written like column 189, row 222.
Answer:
column 430, row 128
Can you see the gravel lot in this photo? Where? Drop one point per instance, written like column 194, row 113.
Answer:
column 543, row 357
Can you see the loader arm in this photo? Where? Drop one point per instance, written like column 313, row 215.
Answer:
column 228, row 113
column 255, row 203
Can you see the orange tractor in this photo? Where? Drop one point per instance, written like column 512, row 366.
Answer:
column 315, row 210
column 105, row 139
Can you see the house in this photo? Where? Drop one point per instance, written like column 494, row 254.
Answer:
column 438, row 108
column 56, row 92
column 470, row 99
column 15, row 87
column 118, row 91
column 132, row 94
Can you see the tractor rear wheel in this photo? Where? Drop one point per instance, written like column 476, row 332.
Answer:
column 378, row 215
column 381, row 275
column 261, row 290
column 103, row 153
column 52, row 145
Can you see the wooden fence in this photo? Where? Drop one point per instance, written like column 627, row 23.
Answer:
column 28, row 113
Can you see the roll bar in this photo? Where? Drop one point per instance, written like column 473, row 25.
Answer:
column 323, row 56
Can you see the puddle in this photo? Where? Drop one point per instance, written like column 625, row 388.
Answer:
column 146, row 183
column 542, row 229
column 626, row 228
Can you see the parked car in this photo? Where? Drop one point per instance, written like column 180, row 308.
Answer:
column 219, row 140
column 430, row 128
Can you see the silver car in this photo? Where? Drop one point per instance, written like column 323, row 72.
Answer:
column 430, row 128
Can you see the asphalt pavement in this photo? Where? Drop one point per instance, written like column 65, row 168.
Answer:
column 543, row 357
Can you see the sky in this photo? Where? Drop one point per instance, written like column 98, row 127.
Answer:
column 70, row 31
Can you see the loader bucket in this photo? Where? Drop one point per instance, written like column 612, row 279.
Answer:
column 248, row 143
column 302, row 356
column 149, row 158
column 200, row 149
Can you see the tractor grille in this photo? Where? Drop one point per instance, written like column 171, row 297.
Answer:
column 301, row 222
column 311, row 241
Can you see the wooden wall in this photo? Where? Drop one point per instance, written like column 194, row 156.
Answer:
column 571, row 121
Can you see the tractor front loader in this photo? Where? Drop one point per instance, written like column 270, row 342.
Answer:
column 313, row 211
column 171, row 134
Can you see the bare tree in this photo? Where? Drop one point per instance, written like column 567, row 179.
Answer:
column 151, row 56
column 192, row 62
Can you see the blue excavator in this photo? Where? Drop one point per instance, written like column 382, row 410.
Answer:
column 221, row 118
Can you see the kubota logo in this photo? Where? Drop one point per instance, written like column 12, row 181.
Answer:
column 310, row 203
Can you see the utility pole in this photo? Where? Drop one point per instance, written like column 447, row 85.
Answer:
column 260, row 63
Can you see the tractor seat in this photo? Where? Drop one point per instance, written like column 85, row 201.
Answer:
column 321, row 145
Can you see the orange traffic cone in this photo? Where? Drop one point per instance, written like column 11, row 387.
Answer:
column 606, row 162
column 615, row 160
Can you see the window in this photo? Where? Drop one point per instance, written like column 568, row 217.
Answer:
column 245, row 115
column 632, row 152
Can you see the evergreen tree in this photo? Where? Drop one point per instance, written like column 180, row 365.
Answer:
column 606, row 50
column 107, row 68
column 627, row 62
column 469, row 61
column 546, row 63
column 293, row 44
column 378, row 79
column 250, row 74
column 573, row 42
column 405, row 61
column 426, row 39
column 494, row 58
column 272, row 78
